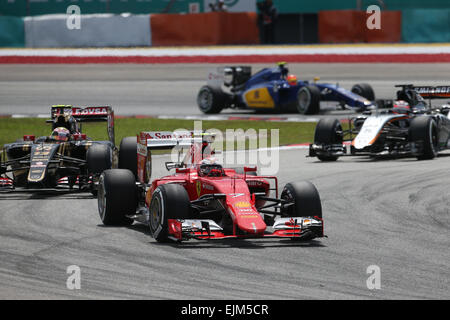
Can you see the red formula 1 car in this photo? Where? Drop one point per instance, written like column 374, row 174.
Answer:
column 201, row 199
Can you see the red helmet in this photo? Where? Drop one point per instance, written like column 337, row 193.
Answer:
column 61, row 134
column 292, row 79
column 401, row 107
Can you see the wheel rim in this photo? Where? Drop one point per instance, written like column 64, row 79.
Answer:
column 155, row 214
column 205, row 99
column 304, row 99
column 286, row 195
column 101, row 198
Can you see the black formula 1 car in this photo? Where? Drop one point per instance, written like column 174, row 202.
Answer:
column 65, row 159
column 412, row 127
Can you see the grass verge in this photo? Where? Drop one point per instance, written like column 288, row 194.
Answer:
column 12, row 129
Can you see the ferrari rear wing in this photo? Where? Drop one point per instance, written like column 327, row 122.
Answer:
column 87, row 114
column 166, row 140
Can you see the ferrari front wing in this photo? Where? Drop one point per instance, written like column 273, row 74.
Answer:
column 305, row 228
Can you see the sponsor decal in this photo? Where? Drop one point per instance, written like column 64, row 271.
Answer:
column 259, row 98
column 198, row 186
column 168, row 135
column 432, row 90
column 242, row 204
column 82, row 111
column 142, row 149
column 38, row 164
column 207, row 186
column 251, row 216
column 254, row 183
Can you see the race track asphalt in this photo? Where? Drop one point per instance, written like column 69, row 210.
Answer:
column 393, row 214
column 171, row 89
column 390, row 213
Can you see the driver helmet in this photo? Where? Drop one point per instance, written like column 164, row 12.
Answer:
column 61, row 134
column 209, row 168
column 401, row 107
column 292, row 79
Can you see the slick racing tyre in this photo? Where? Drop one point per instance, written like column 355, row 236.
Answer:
column 308, row 100
column 210, row 100
column 423, row 130
column 305, row 197
column 169, row 201
column 117, row 197
column 364, row 90
column 99, row 158
column 327, row 133
column 128, row 154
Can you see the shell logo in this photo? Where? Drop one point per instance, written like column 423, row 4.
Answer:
column 242, row 204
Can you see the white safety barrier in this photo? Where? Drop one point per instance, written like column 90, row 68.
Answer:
column 95, row 30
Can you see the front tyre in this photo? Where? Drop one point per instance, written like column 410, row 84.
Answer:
column 364, row 90
column 169, row 201
column 305, row 197
column 117, row 197
column 328, row 132
column 423, row 131
column 210, row 100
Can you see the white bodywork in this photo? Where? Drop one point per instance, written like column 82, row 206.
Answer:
column 285, row 223
column 371, row 128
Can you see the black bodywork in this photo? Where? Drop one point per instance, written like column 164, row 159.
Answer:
column 45, row 163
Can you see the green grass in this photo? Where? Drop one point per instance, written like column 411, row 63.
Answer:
column 12, row 129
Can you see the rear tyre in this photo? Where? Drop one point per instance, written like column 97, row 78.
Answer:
column 99, row 158
column 364, row 90
column 128, row 154
column 423, row 130
column 117, row 197
column 210, row 100
column 327, row 133
column 308, row 100
column 169, row 201
column 305, row 197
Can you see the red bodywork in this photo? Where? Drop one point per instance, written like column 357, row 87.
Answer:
column 238, row 190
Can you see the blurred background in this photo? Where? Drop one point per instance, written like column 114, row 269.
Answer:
column 141, row 23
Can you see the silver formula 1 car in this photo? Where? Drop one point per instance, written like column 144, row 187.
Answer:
column 411, row 127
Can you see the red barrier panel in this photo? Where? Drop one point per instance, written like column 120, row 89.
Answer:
column 341, row 26
column 350, row 26
column 391, row 28
column 211, row 28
